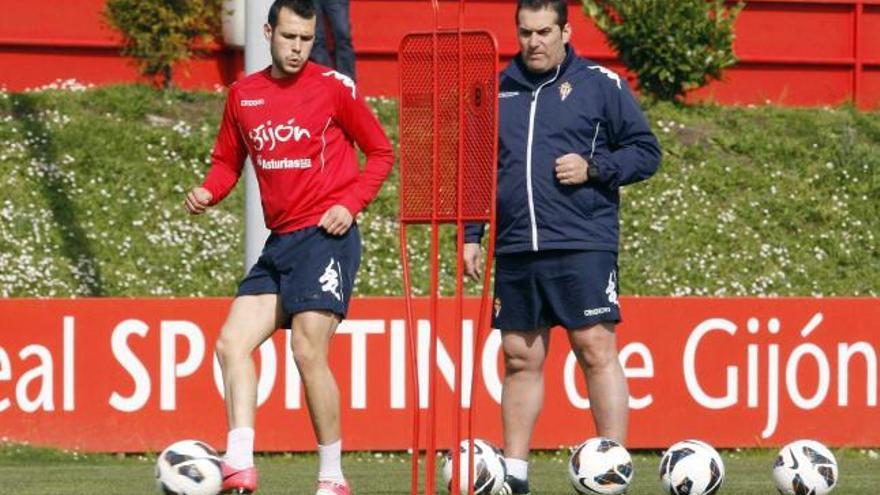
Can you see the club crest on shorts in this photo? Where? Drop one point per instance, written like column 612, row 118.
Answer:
column 330, row 279
column 611, row 290
column 497, row 306
column 564, row 90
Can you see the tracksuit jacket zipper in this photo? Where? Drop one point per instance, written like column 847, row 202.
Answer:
column 532, row 108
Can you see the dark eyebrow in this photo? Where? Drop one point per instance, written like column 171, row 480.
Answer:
column 543, row 30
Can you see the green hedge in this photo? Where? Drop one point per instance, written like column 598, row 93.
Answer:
column 749, row 201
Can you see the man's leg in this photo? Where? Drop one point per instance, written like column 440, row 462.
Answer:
column 252, row 319
column 320, row 54
column 596, row 350
column 310, row 342
column 523, row 394
column 338, row 15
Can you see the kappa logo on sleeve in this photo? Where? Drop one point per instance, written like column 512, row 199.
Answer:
column 608, row 72
column 346, row 81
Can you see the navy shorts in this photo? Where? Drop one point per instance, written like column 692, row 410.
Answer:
column 575, row 289
column 309, row 268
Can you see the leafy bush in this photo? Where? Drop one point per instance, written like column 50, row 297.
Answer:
column 672, row 46
column 160, row 33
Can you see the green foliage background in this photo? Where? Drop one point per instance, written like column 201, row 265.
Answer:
column 160, row 33
column 751, row 201
column 672, row 47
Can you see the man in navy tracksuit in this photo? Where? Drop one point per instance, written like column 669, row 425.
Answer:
column 570, row 134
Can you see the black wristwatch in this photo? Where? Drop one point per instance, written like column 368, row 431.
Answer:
column 592, row 171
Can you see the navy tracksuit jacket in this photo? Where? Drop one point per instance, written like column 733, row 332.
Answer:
column 579, row 107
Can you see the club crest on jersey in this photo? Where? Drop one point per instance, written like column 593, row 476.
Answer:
column 345, row 80
column 564, row 90
column 269, row 134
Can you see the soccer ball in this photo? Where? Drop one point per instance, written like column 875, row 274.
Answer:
column 600, row 465
column 489, row 468
column 805, row 467
column 691, row 467
column 189, row 467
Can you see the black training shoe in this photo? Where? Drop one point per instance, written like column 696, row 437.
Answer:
column 514, row 486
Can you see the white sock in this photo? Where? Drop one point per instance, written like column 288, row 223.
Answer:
column 330, row 462
column 517, row 468
column 240, row 448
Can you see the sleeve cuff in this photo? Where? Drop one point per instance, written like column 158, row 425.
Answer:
column 473, row 233
column 352, row 204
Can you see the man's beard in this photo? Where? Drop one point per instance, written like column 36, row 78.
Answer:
column 281, row 66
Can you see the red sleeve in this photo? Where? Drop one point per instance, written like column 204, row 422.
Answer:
column 228, row 156
column 359, row 123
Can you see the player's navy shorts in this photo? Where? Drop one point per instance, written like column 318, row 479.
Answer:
column 536, row 290
column 309, row 268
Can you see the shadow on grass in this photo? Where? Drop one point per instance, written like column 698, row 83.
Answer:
column 75, row 245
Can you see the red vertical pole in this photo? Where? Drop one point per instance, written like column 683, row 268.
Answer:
column 857, row 52
column 413, row 352
column 459, row 278
column 430, row 451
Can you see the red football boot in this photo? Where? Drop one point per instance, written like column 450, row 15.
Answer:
column 238, row 481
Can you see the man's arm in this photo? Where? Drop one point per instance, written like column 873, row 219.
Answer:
column 359, row 123
column 228, row 156
column 636, row 152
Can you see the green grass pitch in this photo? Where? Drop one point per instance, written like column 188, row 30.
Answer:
column 32, row 471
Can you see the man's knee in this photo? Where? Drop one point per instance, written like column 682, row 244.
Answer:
column 228, row 348
column 595, row 347
column 523, row 362
column 307, row 354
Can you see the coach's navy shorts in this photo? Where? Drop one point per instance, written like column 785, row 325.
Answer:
column 309, row 268
column 575, row 289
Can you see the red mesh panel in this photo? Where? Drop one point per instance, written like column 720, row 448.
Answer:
column 476, row 129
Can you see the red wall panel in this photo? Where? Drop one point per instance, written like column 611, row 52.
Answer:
column 869, row 34
column 802, row 85
column 70, row 20
column 767, row 31
column 871, row 88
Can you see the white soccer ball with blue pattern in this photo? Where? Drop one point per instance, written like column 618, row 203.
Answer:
column 691, row 467
column 805, row 467
column 600, row 465
column 489, row 468
column 189, row 467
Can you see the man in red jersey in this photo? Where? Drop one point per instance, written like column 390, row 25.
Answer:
column 298, row 121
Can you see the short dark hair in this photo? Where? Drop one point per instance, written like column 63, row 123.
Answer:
column 558, row 6
column 302, row 8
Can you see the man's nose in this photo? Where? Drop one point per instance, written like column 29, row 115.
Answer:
column 534, row 40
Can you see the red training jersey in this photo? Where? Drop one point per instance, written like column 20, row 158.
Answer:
column 299, row 132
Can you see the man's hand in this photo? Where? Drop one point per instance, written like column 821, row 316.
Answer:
column 473, row 258
column 197, row 200
column 336, row 220
column 571, row 169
